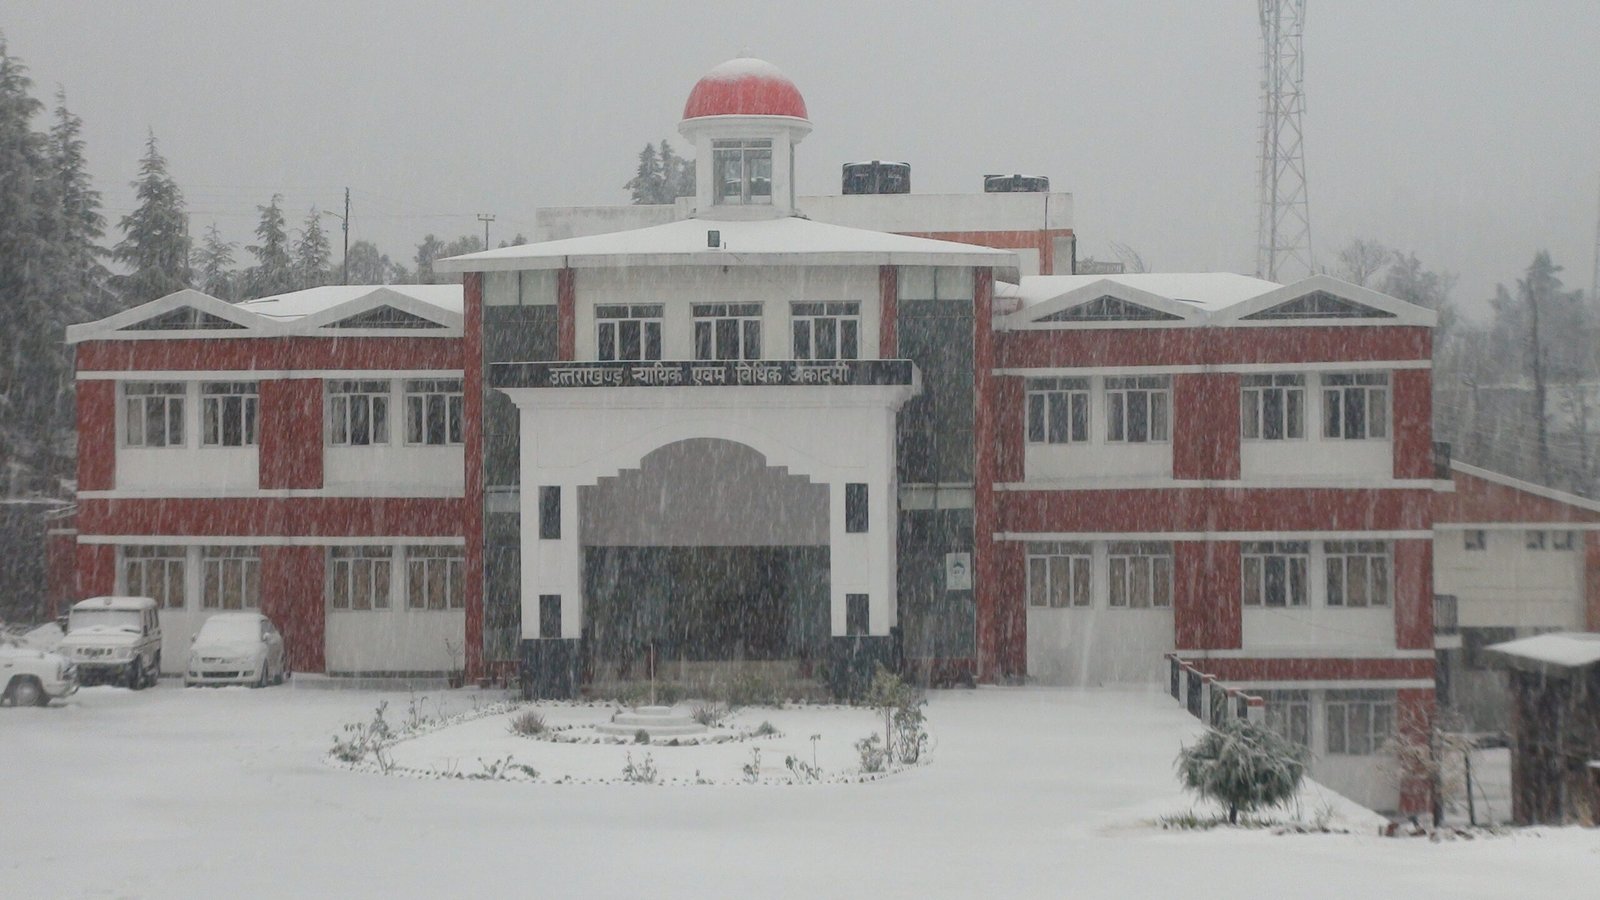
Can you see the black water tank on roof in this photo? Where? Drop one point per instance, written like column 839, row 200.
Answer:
column 877, row 177
column 1021, row 184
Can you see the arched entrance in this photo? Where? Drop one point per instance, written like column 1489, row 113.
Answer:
column 707, row 557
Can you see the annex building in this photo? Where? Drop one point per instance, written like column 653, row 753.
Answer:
column 738, row 438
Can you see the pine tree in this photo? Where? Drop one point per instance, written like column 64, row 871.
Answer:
column 677, row 175
column 81, row 221
column 156, row 234
column 214, row 261
column 647, row 185
column 311, row 252
column 34, row 376
column 273, row 272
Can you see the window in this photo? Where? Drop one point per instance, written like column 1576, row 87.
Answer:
column 154, row 413
column 1289, row 714
column 435, row 578
column 855, row 508
column 1538, row 540
column 1058, row 410
column 855, row 614
column 628, row 332
column 727, row 331
column 1359, row 722
column 358, row 413
column 550, row 513
column 358, row 577
column 826, row 330
column 549, row 615
column 154, row 572
column 1058, row 575
column 228, row 414
column 433, row 412
column 1358, row 573
column 1355, row 407
column 741, row 171
column 1140, row 575
column 1562, row 540
column 230, row 578
column 1272, row 407
column 1274, row 574
column 1136, row 408
column 1475, row 539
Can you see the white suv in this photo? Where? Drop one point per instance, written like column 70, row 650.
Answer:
column 115, row 639
column 33, row 677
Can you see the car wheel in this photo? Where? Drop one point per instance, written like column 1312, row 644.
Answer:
column 25, row 691
column 135, row 675
column 154, row 677
column 261, row 677
column 282, row 675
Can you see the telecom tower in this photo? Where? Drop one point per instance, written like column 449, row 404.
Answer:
column 1284, row 244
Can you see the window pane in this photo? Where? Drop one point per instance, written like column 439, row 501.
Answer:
column 1119, row 579
column 1335, row 581
column 849, row 338
column 1060, row 580
column 1080, row 417
column 1355, row 413
column 752, row 339
column 1252, row 413
column 1036, row 418
column 702, row 340
column 1252, row 581
column 1331, row 416
column 1158, row 416
column 1336, row 728
column 1272, row 415
column 630, row 340
column 1059, row 419
column 1038, row 581
column 1292, row 407
column 1380, row 580
column 1080, row 582
column 1114, row 417
column 1357, row 568
column 1139, row 589
column 827, row 339
column 1377, row 414
column 802, row 338
column 652, row 340
column 1138, row 406
column 1277, row 580
column 414, row 416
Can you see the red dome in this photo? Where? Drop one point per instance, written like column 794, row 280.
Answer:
column 745, row 87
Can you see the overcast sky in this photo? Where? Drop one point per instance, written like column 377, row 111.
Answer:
column 1468, row 132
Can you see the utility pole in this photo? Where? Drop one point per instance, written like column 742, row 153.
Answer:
column 1284, row 231
column 485, row 218
column 344, row 222
column 1594, row 281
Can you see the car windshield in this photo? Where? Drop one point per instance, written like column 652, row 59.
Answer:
column 229, row 629
column 108, row 618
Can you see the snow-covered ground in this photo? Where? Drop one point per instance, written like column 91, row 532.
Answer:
column 1031, row 792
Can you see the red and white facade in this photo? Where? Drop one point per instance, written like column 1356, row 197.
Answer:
column 1235, row 471
column 250, row 455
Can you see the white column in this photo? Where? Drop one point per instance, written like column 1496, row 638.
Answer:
column 548, row 566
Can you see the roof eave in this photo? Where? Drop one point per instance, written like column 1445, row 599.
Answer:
column 996, row 259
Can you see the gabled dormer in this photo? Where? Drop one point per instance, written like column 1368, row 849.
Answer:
column 382, row 312
column 1324, row 300
column 183, row 314
column 1102, row 303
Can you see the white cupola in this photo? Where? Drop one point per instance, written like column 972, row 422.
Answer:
column 744, row 118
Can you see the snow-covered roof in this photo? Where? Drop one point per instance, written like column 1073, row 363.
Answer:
column 1562, row 650
column 115, row 603
column 790, row 241
column 297, row 304
column 1197, row 298
column 367, row 310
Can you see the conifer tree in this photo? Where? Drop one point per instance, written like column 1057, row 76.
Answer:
column 213, row 260
column 156, row 234
column 311, row 252
column 647, row 183
column 273, row 272
column 677, row 175
column 82, row 225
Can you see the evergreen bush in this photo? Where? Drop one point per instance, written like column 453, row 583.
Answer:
column 1243, row 766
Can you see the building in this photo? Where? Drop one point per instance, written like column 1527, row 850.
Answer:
column 742, row 440
column 1555, row 746
column 1512, row 559
column 298, row 454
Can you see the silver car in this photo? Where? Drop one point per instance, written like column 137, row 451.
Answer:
column 237, row 648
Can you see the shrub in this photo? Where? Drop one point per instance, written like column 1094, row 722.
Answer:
column 528, row 723
column 711, row 715
column 903, row 720
column 643, row 772
column 874, row 757
column 1242, row 766
column 752, row 769
column 641, row 737
column 766, row 729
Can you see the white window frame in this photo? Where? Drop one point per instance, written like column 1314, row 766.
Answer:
column 156, row 571
column 749, row 158
column 1150, row 394
column 1365, row 722
column 1139, row 575
column 1367, row 564
column 1258, row 559
column 1475, row 539
column 357, row 401
column 1287, row 422
column 1343, row 390
column 360, row 578
column 435, row 412
column 837, row 321
column 709, row 319
column 1058, row 411
column 163, row 400
column 432, row 569
column 1060, row 575
column 230, row 568
column 1289, row 713
column 616, row 323
column 229, row 413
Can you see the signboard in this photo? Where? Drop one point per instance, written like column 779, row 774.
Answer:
column 708, row 373
column 958, row 571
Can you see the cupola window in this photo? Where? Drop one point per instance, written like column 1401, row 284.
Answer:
column 741, row 172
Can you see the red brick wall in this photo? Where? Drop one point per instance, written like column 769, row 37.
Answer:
column 1298, row 669
column 291, row 433
column 97, row 435
column 1414, row 717
column 254, row 354
column 1206, row 596
column 1216, row 509
column 97, row 570
column 1413, row 594
column 888, row 312
column 566, row 314
column 1413, row 423
column 1010, row 420
column 269, row 516
column 1205, row 428
column 1212, row 346
column 472, row 451
column 991, row 596
column 292, row 580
